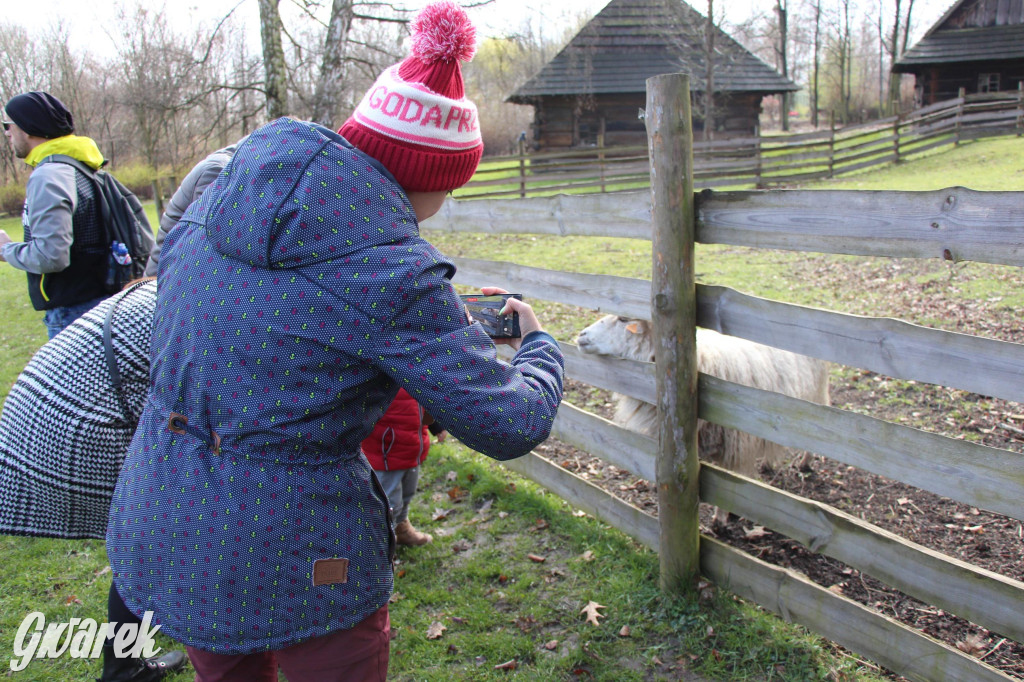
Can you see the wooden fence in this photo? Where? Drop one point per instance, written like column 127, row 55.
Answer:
column 760, row 161
column 957, row 224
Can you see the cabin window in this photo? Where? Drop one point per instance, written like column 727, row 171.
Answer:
column 988, row 82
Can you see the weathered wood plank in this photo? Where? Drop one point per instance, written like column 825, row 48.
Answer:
column 599, row 437
column 978, row 475
column 623, row 214
column 955, row 223
column 630, row 377
column 797, row 599
column 983, row 597
column 605, row 293
column 888, row 346
column 590, row 498
column 674, row 310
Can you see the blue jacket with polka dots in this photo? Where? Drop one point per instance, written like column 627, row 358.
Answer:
column 295, row 297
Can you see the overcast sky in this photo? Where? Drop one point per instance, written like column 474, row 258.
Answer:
column 89, row 19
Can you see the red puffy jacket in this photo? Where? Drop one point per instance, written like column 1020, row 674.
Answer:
column 400, row 440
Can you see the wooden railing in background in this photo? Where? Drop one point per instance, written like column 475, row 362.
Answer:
column 953, row 224
column 758, row 162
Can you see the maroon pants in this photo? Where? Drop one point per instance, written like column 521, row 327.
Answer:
column 359, row 654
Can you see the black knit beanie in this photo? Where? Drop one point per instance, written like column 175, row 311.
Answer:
column 40, row 114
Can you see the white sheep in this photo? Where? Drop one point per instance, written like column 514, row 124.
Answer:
column 727, row 357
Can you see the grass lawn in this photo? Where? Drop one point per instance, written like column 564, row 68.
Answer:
column 499, row 613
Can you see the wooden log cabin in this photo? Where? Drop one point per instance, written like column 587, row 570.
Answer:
column 977, row 45
column 591, row 93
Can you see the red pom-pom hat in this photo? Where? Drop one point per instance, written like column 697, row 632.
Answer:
column 416, row 119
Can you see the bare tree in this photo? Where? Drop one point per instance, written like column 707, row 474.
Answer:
column 782, row 54
column 332, row 70
column 275, row 68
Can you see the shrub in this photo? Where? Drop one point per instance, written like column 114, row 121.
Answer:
column 12, row 198
column 138, row 177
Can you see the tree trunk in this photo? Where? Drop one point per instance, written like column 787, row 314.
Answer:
column 274, row 68
column 332, row 70
column 780, row 11
column 709, row 73
column 817, row 63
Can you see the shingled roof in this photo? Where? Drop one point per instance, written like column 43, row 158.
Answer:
column 631, row 40
column 970, row 31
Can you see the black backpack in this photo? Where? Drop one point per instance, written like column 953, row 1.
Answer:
column 120, row 214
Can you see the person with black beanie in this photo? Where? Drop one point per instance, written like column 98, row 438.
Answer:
column 64, row 252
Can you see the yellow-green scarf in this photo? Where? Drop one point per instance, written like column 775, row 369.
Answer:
column 81, row 148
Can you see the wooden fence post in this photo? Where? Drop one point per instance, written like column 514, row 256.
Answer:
column 831, row 143
column 522, row 166
column 600, row 157
column 959, row 114
column 1020, row 108
column 896, row 130
column 158, row 196
column 758, row 170
column 674, row 314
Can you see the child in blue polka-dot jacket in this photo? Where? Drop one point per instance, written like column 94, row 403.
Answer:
column 295, row 297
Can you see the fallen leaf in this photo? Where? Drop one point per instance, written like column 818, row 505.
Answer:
column 507, row 665
column 456, row 494
column 974, row 529
column 485, row 507
column 400, row 574
column 502, row 514
column 973, row 644
column 480, row 660
column 452, row 649
column 525, row 623
column 587, row 556
column 624, row 632
column 902, row 501
column 461, row 546
column 105, row 569
column 552, row 645
column 396, row 597
column 536, row 558
column 591, row 610
column 541, row 524
column 441, row 513
column 836, row 589
column 459, row 620
column 435, row 630
column 451, row 476
column 72, row 599
column 755, row 533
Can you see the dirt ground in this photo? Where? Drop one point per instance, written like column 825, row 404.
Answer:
column 991, row 541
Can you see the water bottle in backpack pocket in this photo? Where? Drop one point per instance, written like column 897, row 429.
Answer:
column 119, row 267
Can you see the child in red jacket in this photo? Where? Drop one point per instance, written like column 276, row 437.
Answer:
column 398, row 445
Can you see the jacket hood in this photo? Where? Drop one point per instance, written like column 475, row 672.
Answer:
column 296, row 193
column 76, row 146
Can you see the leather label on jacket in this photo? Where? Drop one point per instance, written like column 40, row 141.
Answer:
column 330, row 571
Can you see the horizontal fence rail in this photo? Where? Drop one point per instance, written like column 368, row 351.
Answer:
column 765, row 161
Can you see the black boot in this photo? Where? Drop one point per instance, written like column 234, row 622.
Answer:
column 136, row 669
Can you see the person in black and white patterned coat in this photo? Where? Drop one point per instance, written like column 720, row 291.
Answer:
column 64, row 434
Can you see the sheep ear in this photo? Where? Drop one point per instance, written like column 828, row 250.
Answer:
column 633, row 327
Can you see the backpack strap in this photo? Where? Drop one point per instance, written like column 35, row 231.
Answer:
column 108, row 353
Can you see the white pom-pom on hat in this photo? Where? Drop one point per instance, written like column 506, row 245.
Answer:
column 443, row 32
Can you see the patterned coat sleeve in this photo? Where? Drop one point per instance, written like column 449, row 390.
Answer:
column 501, row 409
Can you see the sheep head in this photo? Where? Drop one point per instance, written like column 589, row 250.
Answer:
column 618, row 337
